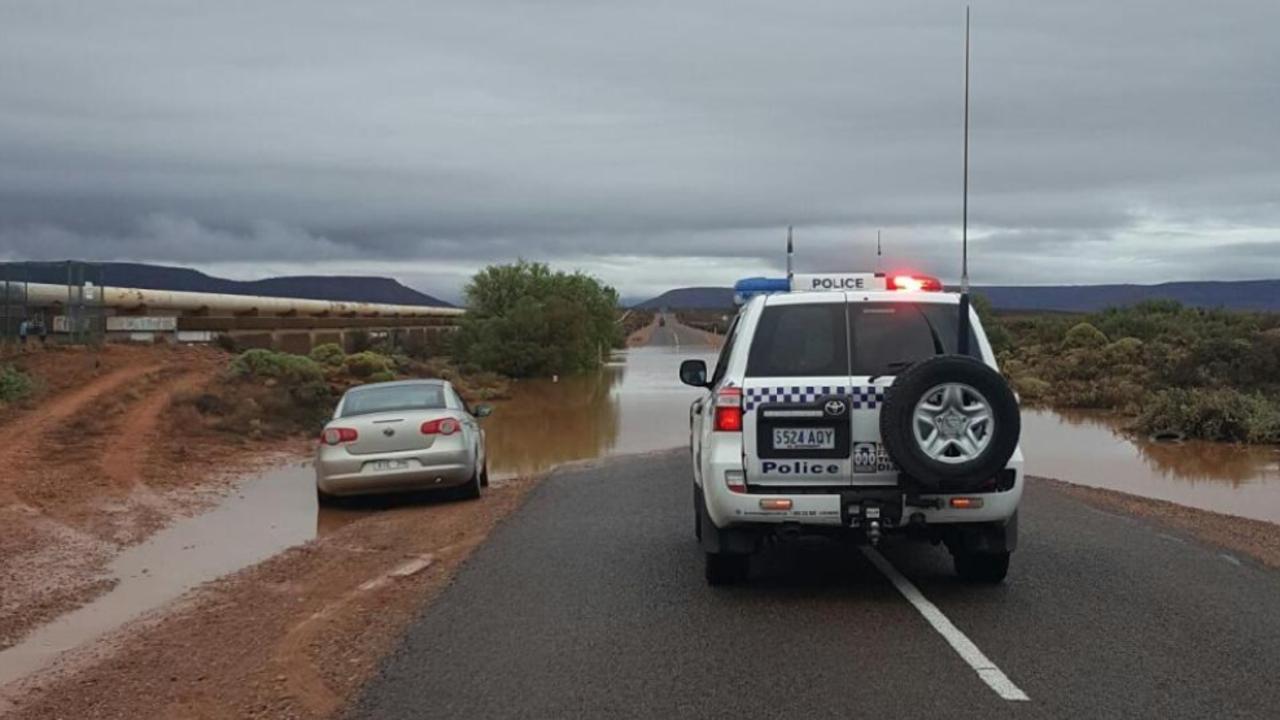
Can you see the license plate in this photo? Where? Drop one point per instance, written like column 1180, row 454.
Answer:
column 383, row 465
column 804, row 438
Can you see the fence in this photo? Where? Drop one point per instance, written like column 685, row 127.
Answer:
column 79, row 319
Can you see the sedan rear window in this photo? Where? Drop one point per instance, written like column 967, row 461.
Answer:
column 363, row 401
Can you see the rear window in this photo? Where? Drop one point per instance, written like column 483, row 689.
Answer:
column 363, row 401
column 887, row 337
column 800, row 340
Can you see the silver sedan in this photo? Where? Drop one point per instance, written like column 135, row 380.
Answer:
column 399, row 436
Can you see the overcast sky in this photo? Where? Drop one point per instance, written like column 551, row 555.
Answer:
column 654, row 144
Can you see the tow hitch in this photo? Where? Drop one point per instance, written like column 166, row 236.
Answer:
column 871, row 510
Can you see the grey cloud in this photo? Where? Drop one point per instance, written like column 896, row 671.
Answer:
column 1111, row 140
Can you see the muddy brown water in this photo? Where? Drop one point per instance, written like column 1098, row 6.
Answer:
column 634, row 404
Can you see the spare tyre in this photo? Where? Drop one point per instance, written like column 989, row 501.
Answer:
column 950, row 423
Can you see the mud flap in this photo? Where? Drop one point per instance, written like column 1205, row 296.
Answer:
column 985, row 538
column 731, row 541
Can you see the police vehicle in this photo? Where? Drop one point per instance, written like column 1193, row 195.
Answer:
column 854, row 404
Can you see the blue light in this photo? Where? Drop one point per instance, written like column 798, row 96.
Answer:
column 747, row 287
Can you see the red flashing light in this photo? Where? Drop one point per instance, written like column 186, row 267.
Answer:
column 913, row 283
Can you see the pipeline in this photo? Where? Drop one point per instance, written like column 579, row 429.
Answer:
column 218, row 303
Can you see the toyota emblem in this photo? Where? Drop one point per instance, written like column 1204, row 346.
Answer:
column 834, row 407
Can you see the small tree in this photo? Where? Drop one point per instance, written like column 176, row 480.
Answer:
column 523, row 320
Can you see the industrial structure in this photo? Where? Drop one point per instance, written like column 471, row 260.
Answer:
column 86, row 310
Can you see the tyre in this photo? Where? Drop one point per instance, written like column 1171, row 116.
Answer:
column 982, row 567
column 697, row 513
column 470, row 490
column 324, row 499
column 950, row 423
column 484, row 474
column 726, row 568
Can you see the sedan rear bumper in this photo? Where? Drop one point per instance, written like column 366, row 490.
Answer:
column 347, row 474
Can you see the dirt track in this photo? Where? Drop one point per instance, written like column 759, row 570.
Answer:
column 90, row 466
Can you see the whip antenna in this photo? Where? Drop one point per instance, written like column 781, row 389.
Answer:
column 962, row 342
column 789, row 250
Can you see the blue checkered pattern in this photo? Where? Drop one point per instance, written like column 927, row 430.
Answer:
column 860, row 398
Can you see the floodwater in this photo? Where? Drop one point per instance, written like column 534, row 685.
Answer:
column 634, row 404
column 1091, row 448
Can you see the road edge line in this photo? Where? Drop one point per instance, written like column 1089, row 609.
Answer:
column 964, row 647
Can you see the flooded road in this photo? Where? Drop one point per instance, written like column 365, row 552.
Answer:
column 1089, row 448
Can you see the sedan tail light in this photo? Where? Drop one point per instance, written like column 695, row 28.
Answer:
column 443, row 426
column 728, row 410
column 337, row 436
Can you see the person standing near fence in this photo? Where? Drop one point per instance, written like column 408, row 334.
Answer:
column 23, row 327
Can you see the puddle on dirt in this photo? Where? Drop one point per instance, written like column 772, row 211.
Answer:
column 1089, row 448
column 264, row 515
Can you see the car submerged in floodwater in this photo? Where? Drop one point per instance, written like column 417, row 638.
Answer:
column 402, row 436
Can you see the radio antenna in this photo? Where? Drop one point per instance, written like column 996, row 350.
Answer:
column 789, row 251
column 962, row 342
column 964, row 221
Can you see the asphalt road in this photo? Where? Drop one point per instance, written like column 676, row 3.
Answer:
column 590, row 603
column 677, row 335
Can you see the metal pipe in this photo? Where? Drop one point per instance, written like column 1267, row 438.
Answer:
column 132, row 298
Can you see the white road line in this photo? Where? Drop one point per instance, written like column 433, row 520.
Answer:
column 987, row 670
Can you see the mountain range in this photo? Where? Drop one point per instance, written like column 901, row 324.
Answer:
column 349, row 288
column 1231, row 294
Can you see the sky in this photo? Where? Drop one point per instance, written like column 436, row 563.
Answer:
column 652, row 144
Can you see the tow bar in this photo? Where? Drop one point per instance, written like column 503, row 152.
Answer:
column 872, row 510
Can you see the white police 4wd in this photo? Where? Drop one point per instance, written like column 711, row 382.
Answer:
column 849, row 404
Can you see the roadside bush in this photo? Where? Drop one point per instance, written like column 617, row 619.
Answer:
column 382, row 376
column 226, row 342
column 328, row 354
column 1085, row 336
column 14, row 384
column 285, row 367
column 1212, row 414
column 365, row 364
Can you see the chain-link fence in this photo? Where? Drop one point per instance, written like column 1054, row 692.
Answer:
column 52, row 302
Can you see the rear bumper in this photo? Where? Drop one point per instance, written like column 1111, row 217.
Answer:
column 354, row 474
column 729, row 509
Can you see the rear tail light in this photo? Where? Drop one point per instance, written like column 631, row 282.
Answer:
column 443, row 426
column 337, row 436
column 728, row 415
column 735, row 480
column 913, row 283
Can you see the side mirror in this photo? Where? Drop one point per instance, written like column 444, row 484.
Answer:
column 694, row 372
column 482, row 411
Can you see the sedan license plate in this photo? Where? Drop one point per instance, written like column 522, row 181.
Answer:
column 804, row 438
column 384, row 465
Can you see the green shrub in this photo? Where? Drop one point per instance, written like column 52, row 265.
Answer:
column 1212, row 414
column 328, row 354
column 382, row 376
column 364, row 364
column 14, row 384
column 285, row 367
column 1084, row 335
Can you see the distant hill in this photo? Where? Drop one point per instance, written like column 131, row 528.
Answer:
column 349, row 288
column 1232, row 294
column 694, row 298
